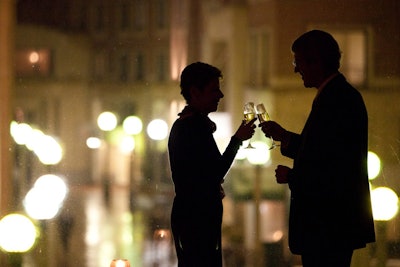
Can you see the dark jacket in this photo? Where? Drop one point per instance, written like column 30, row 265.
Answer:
column 330, row 204
column 198, row 169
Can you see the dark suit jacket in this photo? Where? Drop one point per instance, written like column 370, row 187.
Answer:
column 330, row 204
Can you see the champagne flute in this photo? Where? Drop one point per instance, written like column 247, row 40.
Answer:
column 263, row 116
column 249, row 114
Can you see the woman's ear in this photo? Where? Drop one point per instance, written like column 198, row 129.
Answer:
column 194, row 93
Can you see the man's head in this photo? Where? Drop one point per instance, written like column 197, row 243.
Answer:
column 200, row 86
column 316, row 56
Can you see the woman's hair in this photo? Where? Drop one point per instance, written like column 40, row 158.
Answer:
column 318, row 45
column 197, row 75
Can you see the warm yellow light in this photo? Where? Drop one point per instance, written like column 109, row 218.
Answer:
column 20, row 132
column 385, row 203
column 132, row 125
column 34, row 57
column 127, row 144
column 107, row 121
column 120, row 263
column 33, row 141
column 157, row 129
column 374, row 165
column 93, row 142
column 17, row 233
column 162, row 235
column 48, row 150
column 260, row 154
column 44, row 199
column 241, row 154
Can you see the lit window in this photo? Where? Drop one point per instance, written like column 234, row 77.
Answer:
column 259, row 59
column 354, row 53
column 30, row 62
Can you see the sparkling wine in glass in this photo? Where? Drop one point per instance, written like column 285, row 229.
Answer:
column 263, row 116
column 249, row 114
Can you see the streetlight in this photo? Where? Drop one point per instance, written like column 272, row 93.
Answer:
column 374, row 165
column 132, row 125
column 258, row 157
column 107, row 121
column 157, row 129
column 44, row 200
column 46, row 147
column 120, row 263
column 385, row 204
column 17, row 235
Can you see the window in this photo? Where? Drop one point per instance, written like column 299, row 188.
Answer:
column 162, row 67
column 139, row 15
column 33, row 62
column 161, row 17
column 124, row 68
column 124, row 17
column 99, row 18
column 354, row 54
column 100, row 65
column 139, row 67
column 259, row 49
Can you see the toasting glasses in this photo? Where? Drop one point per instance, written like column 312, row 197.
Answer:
column 249, row 114
column 262, row 117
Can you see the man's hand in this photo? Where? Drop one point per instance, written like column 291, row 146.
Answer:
column 273, row 129
column 282, row 174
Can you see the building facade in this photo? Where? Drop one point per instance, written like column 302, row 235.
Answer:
column 126, row 56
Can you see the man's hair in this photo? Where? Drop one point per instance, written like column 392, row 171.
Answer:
column 197, row 75
column 317, row 44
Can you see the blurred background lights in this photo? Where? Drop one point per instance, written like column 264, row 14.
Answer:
column 45, row 198
column 120, row 263
column 260, row 155
column 46, row 147
column 157, row 129
column 132, row 125
column 20, row 132
column 374, row 165
column 127, row 144
column 93, row 142
column 241, row 154
column 34, row 57
column 48, row 150
column 32, row 142
column 107, row 121
column 17, row 233
column 385, row 203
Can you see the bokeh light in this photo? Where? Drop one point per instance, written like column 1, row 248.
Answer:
column 260, row 154
column 132, row 125
column 157, row 129
column 93, row 142
column 385, row 203
column 44, row 200
column 107, row 121
column 17, row 233
column 374, row 165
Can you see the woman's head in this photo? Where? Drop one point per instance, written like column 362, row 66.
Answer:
column 197, row 76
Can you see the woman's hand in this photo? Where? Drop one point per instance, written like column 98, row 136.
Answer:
column 245, row 130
